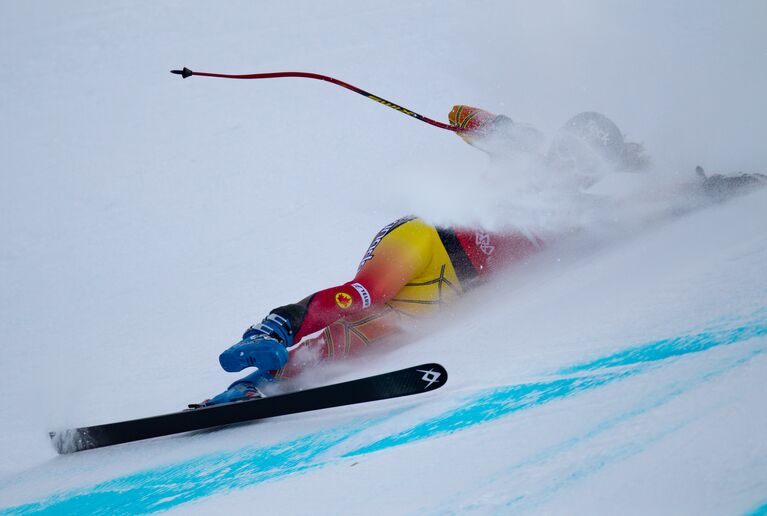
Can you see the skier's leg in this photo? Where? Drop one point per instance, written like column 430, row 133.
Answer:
column 342, row 339
column 406, row 259
column 399, row 252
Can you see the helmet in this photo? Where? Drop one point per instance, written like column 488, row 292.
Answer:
column 589, row 142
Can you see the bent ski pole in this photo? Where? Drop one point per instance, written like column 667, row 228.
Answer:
column 186, row 72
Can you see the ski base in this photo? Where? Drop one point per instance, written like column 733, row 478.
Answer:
column 405, row 382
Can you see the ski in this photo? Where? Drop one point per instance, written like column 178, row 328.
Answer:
column 405, row 382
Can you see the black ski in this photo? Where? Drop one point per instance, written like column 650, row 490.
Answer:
column 404, row 382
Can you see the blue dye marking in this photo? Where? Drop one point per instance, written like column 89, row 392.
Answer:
column 593, row 464
column 625, row 451
column 672, row 347
column 501, row 401
column 759, row 511
column 169, row 486
column 493, row 404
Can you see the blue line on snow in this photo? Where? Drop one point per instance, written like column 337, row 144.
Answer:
column 759, row 511
column 668, row 348
column 607, row 457
column 169, row 486
column 493, row 404
column 501, row 401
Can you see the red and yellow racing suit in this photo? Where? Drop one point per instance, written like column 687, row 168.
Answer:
column 410, row 269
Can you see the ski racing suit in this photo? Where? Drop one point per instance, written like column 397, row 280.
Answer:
column 410, row 269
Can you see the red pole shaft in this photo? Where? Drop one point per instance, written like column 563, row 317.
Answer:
column 186, row 72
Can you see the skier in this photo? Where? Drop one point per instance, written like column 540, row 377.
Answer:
column 411, row 268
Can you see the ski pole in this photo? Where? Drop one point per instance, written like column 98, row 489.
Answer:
column 186, row 72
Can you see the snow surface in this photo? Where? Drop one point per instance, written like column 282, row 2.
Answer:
column 146, row 221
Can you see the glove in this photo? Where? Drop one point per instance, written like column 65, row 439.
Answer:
column 720, row 187
column 475, row 122
column 264, row 345
column 497, row 135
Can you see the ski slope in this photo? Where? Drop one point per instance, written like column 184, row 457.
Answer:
column 146, row 221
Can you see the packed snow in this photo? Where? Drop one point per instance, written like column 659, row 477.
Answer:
column 148, row 220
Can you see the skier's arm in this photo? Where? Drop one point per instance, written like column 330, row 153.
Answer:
column 497, row 135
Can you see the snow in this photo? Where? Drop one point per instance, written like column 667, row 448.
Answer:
column 147, row 220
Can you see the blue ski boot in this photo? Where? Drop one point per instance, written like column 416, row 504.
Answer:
column 242, row 390
column 264, row 346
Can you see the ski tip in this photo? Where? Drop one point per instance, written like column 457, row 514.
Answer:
column 72, row 440
column 186, row 72
column 58, row 442
column 434, row 375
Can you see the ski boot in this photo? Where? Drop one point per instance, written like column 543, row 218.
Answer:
column 243, row 389
column 264, row 345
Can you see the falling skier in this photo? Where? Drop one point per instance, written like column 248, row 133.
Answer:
column 409, row 270
column 412, row 267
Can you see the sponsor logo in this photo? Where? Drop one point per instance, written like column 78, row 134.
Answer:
column 364, row 294
column 483, row 242
column 343, row 300
column 431, row 376
column 393, row 106
column 377, row 240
